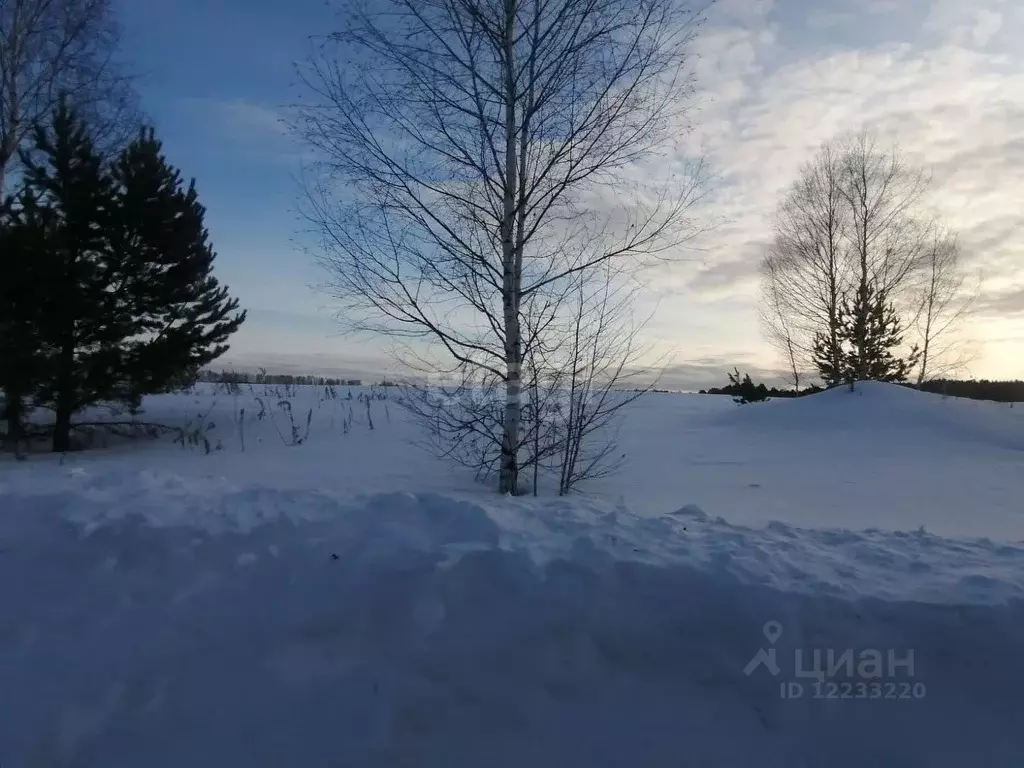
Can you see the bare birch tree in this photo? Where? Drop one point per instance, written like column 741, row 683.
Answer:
column 53, row 49
column 944, row 302
column 805, row 270
column 887, row 241
column 848, row 226
column 777, row 321
column 883, row 195
column 466, row 152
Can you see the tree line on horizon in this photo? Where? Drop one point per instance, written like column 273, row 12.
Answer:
column 261, row 376
column 1006, row 391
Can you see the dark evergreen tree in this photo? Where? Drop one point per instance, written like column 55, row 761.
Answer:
column 130, row 303
column 869, row 335
column 827, row 353
column 873, row 332
column 830, row 359
column 79, row 322
column 182, row 315
column 744, row 389
column 23, row 225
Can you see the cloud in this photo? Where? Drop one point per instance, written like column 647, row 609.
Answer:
column 728, row 274
column 318, row 322
column 985, row 27
column 240, row 119
column 246, row 116
column 705, row 373
column 349, row 366
column 882, row 6
column 966, row 24
column 829, row 19
column 1003, row 303
column 950, row 92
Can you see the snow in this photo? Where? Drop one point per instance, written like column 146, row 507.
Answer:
column 353, row 601
column 882, row 457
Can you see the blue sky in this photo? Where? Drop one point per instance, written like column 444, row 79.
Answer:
column 215, row 76
column 944, row 78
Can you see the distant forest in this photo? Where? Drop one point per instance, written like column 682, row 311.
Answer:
column 282, row 379
column 979, row 389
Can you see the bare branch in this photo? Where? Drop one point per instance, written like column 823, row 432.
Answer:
column 53, row 49
column 943, row 301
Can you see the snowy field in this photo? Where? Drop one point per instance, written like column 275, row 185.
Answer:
column 353, row 601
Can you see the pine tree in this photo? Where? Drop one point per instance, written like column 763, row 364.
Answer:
column 130, row 303
column 745, row 390
column 873, row 332
column 79, row 325
column 830, row 358
column 23, row 281
column 183, row 317
column 827, row 352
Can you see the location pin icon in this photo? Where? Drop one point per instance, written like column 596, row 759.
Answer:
column 773, row 631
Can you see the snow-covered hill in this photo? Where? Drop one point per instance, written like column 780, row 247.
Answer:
column 881, row 457
column 352, row 601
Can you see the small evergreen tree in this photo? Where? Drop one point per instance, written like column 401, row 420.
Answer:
column 873, row 332
column 869, row 334
column 830, row 359
column 827, row 352
column 745, row 390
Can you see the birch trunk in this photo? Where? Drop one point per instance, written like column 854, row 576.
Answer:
column 508, row 481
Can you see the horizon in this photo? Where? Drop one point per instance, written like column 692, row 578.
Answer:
column 382, row 379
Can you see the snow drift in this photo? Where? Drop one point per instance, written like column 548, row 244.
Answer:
column 883, row 457
column 263, row 628
column 353, row 602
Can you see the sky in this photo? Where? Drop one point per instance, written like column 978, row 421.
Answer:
column 942, row 78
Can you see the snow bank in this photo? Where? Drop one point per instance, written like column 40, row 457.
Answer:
column 884, row 458
column 163, row 621
column 779, row 555
column 880, row 411
column 352, row 601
